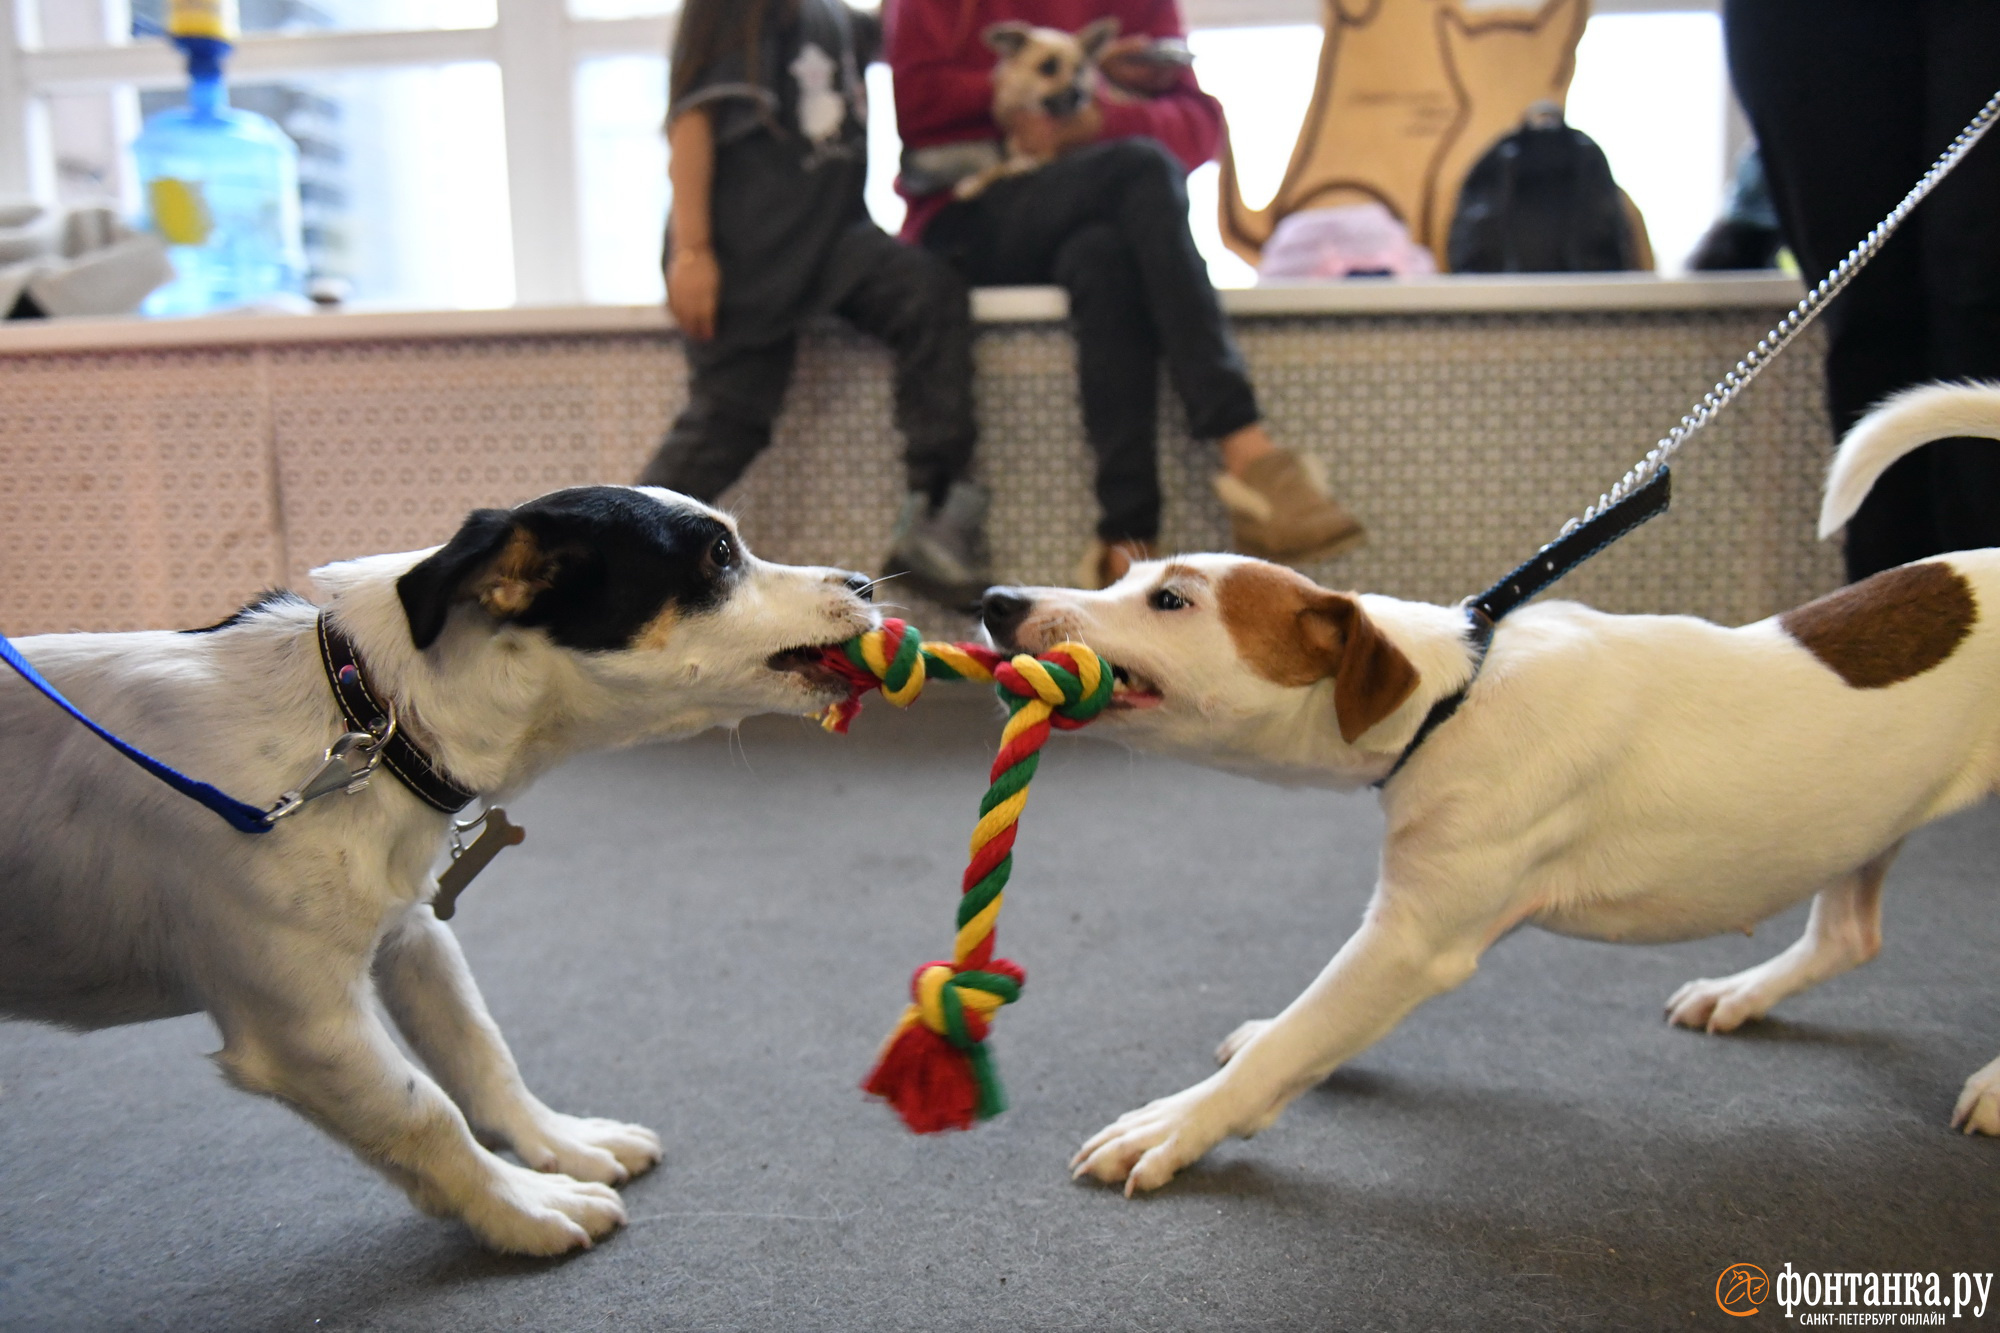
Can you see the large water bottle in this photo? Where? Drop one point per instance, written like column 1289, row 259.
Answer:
column 220, row 185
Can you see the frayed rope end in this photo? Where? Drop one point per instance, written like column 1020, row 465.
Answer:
column 932, row 1084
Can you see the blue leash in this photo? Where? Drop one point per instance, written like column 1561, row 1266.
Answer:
column 243, row 818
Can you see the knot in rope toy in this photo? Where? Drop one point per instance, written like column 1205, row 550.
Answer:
column 934, row 1070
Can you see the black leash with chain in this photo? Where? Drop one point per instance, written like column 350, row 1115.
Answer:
column 1644, row 491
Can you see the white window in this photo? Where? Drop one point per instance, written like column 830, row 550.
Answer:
column 1650, row 88
column 487, row 152
column 442, row 141
column 1653, row 90
column 621, row 103
column 1263, row 76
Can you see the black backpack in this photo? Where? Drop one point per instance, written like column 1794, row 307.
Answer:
column 1541, row 200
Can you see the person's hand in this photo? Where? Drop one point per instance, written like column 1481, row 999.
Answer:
column 1125, row 63
column 1041, row 135
column 694, row 288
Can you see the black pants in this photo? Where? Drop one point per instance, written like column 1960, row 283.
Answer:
column 1851, row 101
column 905, row 297
column 1109, row 223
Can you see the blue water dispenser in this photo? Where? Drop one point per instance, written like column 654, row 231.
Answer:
column 220, row 185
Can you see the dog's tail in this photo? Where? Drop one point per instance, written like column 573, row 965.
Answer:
column 1900, row 426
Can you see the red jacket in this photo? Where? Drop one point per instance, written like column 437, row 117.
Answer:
column 944, row 77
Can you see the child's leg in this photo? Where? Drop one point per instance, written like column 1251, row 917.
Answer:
column 1137, row 188
column 1278, row 508
column 1052, row 226
column 918, row 305
column 733, row 396
column 1118, row 366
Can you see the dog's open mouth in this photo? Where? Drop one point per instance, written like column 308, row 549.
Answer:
column 1129, row 689
column 812, row 663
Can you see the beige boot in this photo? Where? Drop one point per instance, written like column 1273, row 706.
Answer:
column 1279, row 509
column 1103, row 565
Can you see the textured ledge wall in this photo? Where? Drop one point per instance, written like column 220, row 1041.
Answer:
column 161, row 488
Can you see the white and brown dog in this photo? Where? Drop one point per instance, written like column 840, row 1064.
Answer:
column 1045, row 71
column 591, row 617
column 1627, row 778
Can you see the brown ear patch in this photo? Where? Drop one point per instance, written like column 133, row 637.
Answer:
column 518, row 574
column 1261, row 607
column 1885, row 629
column 1291, row 631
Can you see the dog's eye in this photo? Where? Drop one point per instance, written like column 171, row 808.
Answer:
column 1166, row 599
column 1050, row 67
column 722, row 554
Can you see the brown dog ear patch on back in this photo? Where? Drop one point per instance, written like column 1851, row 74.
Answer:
column 1889, row 627
column 1291, row 631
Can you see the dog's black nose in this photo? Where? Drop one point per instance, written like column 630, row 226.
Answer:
column 1003, row 610
column 861, row 586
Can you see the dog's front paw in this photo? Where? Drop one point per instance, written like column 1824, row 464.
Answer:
column 606, row 1151
column 1238, row 1039
column 1146, row 1148
column 1978, row 1109
column 1722, row 1004
column 524, row 1212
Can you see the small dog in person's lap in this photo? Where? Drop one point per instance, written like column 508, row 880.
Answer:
column 1625, row 778
column 591, row 617
column 1045, row 71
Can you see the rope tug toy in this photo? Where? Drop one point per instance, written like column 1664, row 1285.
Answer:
column 934, row 1070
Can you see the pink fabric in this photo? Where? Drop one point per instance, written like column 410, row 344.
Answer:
column 944, row 78
column 1339, row 242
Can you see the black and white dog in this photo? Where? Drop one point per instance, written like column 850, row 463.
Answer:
column 591, row 617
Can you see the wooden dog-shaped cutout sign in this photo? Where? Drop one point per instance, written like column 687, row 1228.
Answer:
column 1409, row 94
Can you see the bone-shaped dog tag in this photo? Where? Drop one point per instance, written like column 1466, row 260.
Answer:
column 494, row 838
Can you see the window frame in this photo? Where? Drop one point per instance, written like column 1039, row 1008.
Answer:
column 536, row 44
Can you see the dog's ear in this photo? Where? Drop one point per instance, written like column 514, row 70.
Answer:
column 1007, row 39
column 1371, row 676
column 491, row 560
column 1094, row 37
column 1291, row 631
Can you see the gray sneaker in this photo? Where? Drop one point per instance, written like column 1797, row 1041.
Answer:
column 942, row 551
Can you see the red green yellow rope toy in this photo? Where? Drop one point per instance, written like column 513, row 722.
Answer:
column 935, row 1069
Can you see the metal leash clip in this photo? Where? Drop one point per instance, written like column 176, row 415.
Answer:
column 346, row 766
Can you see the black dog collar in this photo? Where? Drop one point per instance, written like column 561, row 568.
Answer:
column 405, row 758
column 1481, row 634
column 1533, row 577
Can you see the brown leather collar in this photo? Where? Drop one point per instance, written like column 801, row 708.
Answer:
column 405, row 758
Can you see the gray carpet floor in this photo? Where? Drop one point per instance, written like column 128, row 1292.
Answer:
column 711, row 938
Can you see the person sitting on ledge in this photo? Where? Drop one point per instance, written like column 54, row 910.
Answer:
column 768, row 136
column 1107, row 220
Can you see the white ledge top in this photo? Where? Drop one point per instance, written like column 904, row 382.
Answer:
column 1458, row 294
